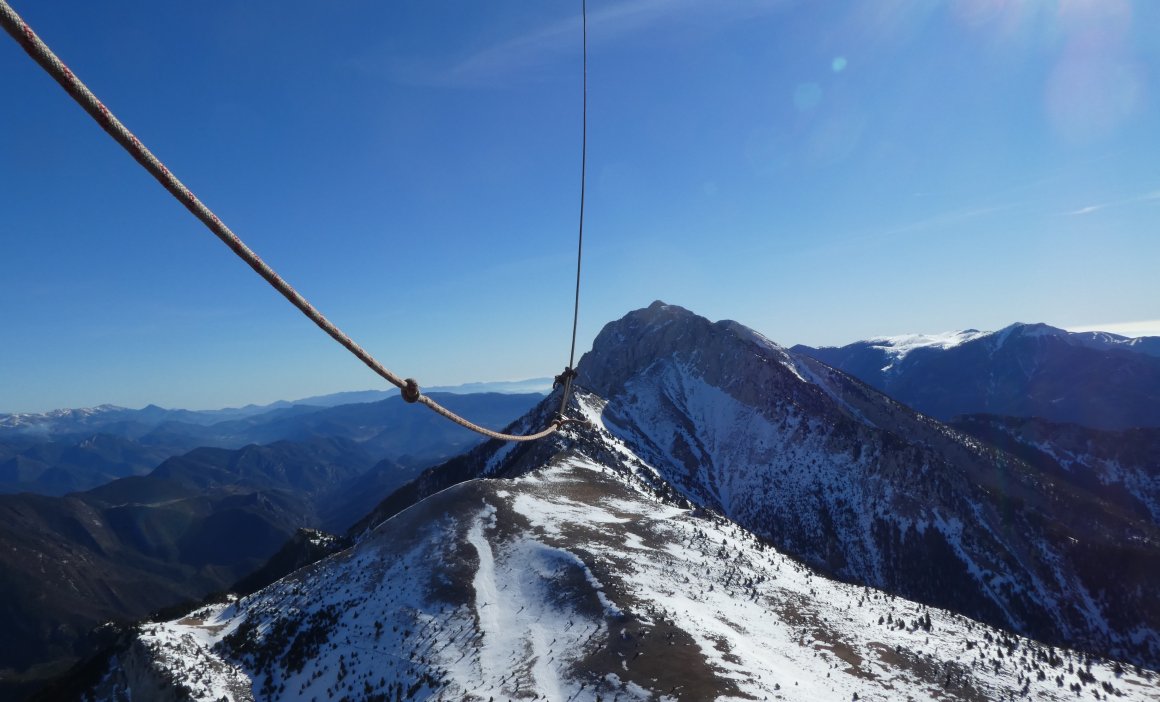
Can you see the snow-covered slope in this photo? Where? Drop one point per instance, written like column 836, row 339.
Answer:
column 574, row 582
column 897, row 347
column 860, row 486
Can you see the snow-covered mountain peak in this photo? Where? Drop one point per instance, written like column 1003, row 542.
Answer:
column 838, row 474
column 1027, row 331
column 672, row 547
column 669, row 334
column 746, row 334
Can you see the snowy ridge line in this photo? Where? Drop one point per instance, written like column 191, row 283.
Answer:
column 759, row 623
column 24, row 419
column 899, row 346
column 807, row 374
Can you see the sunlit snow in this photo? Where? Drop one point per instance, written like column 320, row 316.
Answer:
column 575, row 582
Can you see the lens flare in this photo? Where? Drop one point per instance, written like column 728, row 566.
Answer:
column 1095, row 85
column 1088, row 98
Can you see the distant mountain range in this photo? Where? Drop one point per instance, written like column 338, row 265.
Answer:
column 686, row 541
column 133, row 422
column 71, row 450
column 1093, row 379
column 165, row 523
column 540, row 386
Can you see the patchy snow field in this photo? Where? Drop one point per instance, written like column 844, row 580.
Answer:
column 575, row 583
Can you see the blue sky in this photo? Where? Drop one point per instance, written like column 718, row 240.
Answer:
column 822, row 172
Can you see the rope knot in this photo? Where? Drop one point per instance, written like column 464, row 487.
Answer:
column 410, row 390
column 564, row 377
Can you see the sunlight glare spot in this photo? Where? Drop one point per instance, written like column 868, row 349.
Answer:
column 975, row 13
column 838, row 64
column 1088, row 98
column 1110, row 19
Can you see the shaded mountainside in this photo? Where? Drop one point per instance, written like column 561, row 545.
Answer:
column 195, row 525
column 1026, row 370
column 61, row 466
column 575, row 578
column 1123, row 467
column 307, row 546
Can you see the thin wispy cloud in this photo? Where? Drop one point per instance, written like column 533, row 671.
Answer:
column 941, row 220
column 881, row 236
column 1089, row 209
column 1145, row 327
column 517, row 58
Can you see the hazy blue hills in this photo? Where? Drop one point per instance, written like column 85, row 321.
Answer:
column 179, row 509
column 506, row 387
column 196, row 524
column 60, row 466
column 132, row 423
column 72, row 450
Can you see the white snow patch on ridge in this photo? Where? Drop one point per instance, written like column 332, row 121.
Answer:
column 897, row 347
